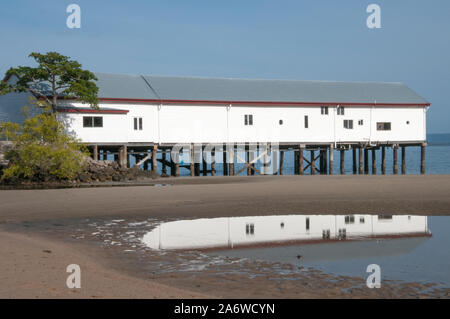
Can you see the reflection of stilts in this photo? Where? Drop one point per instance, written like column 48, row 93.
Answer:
column 230, row 244
column 160, row 231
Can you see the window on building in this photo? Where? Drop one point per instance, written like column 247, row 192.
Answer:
column 361, row 122
column 350, row 219
column 361, row 220
column 324, row 110
column 307, row 224
column 384, row 217
column 138, row 124
column 92, row 121
column 280, row 122
column 383, row 126
column 250, row 229
column 306, row 121
column 348, row 124
column 340, row 110
column 248, row 119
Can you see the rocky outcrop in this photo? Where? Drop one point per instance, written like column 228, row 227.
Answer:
column 102, row 171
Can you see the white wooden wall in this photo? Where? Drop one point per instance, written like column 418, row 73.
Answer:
column 221, row 124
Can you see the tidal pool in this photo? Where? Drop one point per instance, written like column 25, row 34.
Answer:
column 407, row 248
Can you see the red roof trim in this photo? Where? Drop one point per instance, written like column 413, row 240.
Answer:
column 77, row 110
column 256, row 103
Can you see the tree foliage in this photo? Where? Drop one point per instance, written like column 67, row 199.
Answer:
column 42, row 149
column 56, row 76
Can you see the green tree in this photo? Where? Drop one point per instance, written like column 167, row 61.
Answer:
column 42, row 149
column 56, row 76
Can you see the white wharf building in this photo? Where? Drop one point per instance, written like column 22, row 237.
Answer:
column 140, row 114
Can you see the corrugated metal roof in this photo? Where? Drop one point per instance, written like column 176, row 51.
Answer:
column 247, row 90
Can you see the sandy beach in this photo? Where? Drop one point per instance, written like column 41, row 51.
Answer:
column 33, row 262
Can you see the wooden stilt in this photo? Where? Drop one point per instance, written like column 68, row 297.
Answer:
column 204, row 163
column 192, row 159
column 321, row 166
column 313, row 165
column 154, row 158
column 225, row 161
column 374, row 161
column 383, row 160
column 366, row 161
column 361, row 168
column 296, row 162
column 331, row 159
column 403, row 160
column 354, row 160
column 395, row 155
column 300, row 160
column 177, row 163
column 342, row 158
column 252, row 157
column 231, row 160
column 325, row 162
column 281, row 162
column 422, row 158
column 164, row 161
column 95, row 153
column 213, row 162
column 266, row 160
column 123, row 156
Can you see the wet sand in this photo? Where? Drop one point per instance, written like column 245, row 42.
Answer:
column 30, row 272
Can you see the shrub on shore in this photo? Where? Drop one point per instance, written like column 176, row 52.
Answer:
column 41, row 149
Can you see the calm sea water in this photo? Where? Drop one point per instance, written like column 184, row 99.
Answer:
column 437, row 159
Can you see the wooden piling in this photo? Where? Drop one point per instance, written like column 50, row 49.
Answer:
column 95, row 152
column 154, row 159
column 204, row 163
column 176, row 162
column 383, row 160
column 164, row 159
column 252, row 157
column 191, row 160
column 213, row 162
column 342, row 158
column 361, row 168
column 225, row 161
column 331, row 159
column 313, row 166
column 395, row 157
column 281, row 162
column 366, row 161
column 266, row 160
column 422, row 158
column 123, row 156
column 231, row 160
column 296, row 162
column 374, row 161
column 354, row 160
column 300, row 160
column 403, row 160
column 321, row 165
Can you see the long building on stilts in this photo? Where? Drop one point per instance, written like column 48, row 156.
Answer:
column 145, row 115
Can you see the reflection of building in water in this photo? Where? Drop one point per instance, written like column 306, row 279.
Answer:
column 260, row 230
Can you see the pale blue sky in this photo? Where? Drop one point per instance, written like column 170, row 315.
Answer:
column 306, row 40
